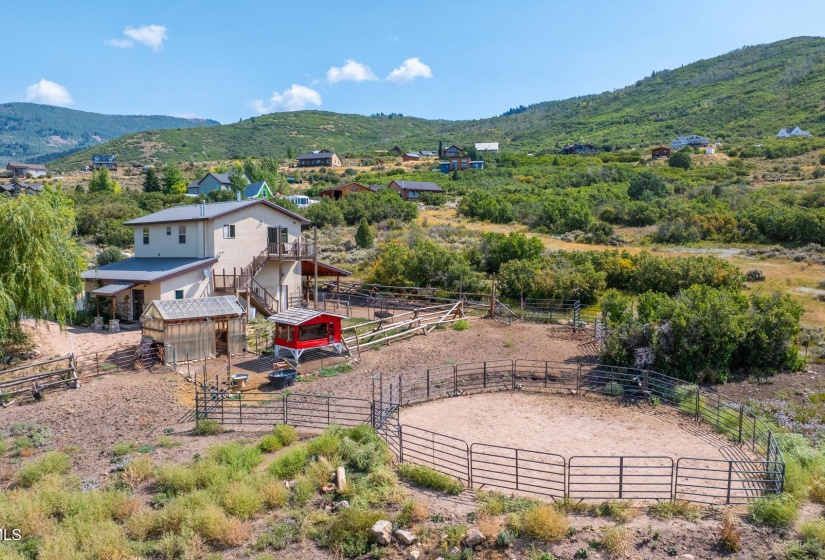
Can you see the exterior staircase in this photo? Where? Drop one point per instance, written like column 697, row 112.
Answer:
column 244, row 283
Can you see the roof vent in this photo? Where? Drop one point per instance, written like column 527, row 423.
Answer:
column 203, row 208
column 238, row 196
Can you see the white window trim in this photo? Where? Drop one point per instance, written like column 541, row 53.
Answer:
column 229, row 231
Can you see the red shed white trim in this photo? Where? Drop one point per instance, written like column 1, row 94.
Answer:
column 298, row 330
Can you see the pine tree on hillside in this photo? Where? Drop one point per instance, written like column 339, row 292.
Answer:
column 151, row 181
column 363, row 237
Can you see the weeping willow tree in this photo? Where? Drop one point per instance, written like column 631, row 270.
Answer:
column 40, row 261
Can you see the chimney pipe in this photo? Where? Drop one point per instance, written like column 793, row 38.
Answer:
column 203, row 209
column 238, row 196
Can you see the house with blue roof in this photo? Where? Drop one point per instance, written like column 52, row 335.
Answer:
column 254, row 191
column 213, row 182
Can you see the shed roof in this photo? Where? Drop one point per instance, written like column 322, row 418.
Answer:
column 298, row 316
column 317, row 155
column 418, row 186
column 324, row 269
column 196, row 308
column 112, row 289
column 146, row 270
column 192, row 212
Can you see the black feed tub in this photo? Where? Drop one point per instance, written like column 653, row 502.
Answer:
column 282, row 378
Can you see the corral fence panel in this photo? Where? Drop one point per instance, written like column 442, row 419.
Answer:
column 126, row 358
column 545, row 374
column 620, row 477
column 439, row 452
column 723, row 482
column 491, row 375
column 519, row 470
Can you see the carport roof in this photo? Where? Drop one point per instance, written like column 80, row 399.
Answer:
column 197, row 308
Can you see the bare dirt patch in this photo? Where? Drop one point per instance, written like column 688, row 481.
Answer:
column 565, row 425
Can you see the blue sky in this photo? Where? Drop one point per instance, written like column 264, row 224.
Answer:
column 233, row 60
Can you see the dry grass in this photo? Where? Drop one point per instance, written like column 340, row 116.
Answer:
column 729, row 533
column 545, row 523
column 617, row 541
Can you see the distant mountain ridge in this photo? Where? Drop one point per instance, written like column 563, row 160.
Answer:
column 746, row 95
column 39, row 133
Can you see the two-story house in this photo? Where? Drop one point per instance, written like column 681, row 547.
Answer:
column 214, row 182
column 108, row 161
column 321, row 158
column 21, row 170
column 252, row 248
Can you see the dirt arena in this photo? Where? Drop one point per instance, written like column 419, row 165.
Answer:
column 566, row 425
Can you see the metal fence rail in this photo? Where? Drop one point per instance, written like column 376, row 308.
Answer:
column 442, row 453
column 126, row 358
column 521, row 470
column 620, row 477
column 715, row 481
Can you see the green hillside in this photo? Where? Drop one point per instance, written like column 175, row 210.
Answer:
column 742, row 96
column 39, row 133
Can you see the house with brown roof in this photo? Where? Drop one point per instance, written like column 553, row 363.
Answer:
column 341, row 191
column 22, row 170
column 411, row 190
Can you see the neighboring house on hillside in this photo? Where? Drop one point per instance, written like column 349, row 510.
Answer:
column 214, row 182
column 428, row 153
column 376, row 188
column 487, row 146
column 340, row 191
column 253, row 248
column 20, row 170
column 15, row 189
column 322, row 158
column 254, row 191
column 411, row 156
column 791, row 131
column 460, row 163
column 108, row 161
column 689, row 140
column 578, row 149
column 395, row 150
column 661, row 152
column 452, row 151
column 411, row 190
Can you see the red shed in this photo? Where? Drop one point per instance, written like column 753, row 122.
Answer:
column 298, row 330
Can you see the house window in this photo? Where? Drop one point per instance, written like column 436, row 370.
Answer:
column 412, row 194
column 146, row 236
column 178, row 294
column 168, row 230
column 182, row 234
column 229, row 231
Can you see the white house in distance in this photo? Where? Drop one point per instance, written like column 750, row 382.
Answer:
column 487, row 147
column 689, row 140
column 791, row 131
column 252, row 248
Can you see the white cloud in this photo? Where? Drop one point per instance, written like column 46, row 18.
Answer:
column 294, row 98
column 48, row 93
column 411, row 69
column 119, row 43
column 351, row 71
column 151, row 36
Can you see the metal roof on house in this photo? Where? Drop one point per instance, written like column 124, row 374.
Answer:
column 376, row 188
column 197, row 308
column 324, row 269
column 112, row 289
column 418, row 186
column 299, row 315
column 108, row 158
column 487, row 146
column 146, row 270
column 33, row 166
column 317, row 155
column 252, row 189
column 192, row 212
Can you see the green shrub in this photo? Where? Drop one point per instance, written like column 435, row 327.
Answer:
column 270, row 443
column 775, row 511
column 290, row 463
column 461, row 325
column 280, row 534
column 428, row 478
column 121, row 449
column 505, row 538
column 325, row 445
column 303, row 491
column 53, row 462
column 207, row 428
column 285, row 434
column 242, row 501
column 175, row 479
column 496, row 503
column 814, row 530
column 412, row 511
column 677, row 508
column 620, row 512
column 348, row 531
column 235, row 456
